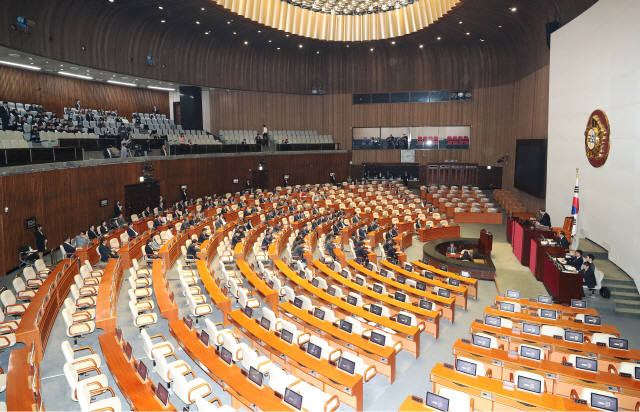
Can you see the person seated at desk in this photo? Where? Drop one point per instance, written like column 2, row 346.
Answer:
column 589, row 258
column 131, row 232
column 147, row 212
column 93, row 234
column 328, row 246
column 588, row 278
column 297, row 254
column 545, row 219
column 105, row 251
column 576, row 261
column 104, row 229
column 120, row 220
column 69, row 250
column 297, row 241
column 390, row 249
column 267, row 241
column 362, row 232
column 393, row 232
column 466, row 257
column 192, row 250
column 452, row 249
column 562, row 241
column 355, row 219
column 149, row 251
column 81, row 240
column 203, row 236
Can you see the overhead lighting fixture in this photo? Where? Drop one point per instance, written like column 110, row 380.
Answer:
column 161, row 88
column 202, row 8
column 20, row 65
column 372, row 49
column 459, row 22
column 121, row 83
column 421, row 46
column 347, row 45
column 246, row 42
column 481, row 39
column 318, row 52
column 228, row 22
column 76, row 75
column 468, row 33
column 350, row 7
column 234, row 32
column 160, row 7
column 513, row 9
column 197, row 22
column 300, row 45
column 206, row 32
column 278, row 48
column 161, row 21
column 259, row 31
column 269, row 41
column 393, row 42
column 439, row 38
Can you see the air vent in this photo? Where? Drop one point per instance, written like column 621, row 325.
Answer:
column 14, row 55
column 124, row 78
column 73, row 68
column 49, row 70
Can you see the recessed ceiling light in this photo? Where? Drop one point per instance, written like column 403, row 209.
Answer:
column 259, row 31
column 393, row 42
column 197, row 22
column 459, row 22
column 161, row 21
column 76, row 75
column 347, row 45
column 278, row 48
column 269, row 41
column 73, row 68
column 287, row 35
column 160, row 7
column 30, row 58
column 300, row 45
column 121, row 83
column 318, row 52
column 481, row 39
column 14, row 55
column 439, row 38
column 499, row 26
column 421, row 46
column 513, row 9
column 202, row 8
column 161, row 88
column 228, row 22
column 371, row 49
column 468, row 33
column 111, row 1
column 246, row 42
column 206, row 32
column 234, row 32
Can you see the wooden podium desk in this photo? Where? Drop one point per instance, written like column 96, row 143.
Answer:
column 459, row 293
column 221, row 301
column 243, row 392
column 470, row 283
column 538, row 255
column 559, row 379
column 428, row 320
column 316, row 372
column 522, row 233
column 408, row 336
column 557, row 349
column 382, row 357
column 267, row 294
column 446, row 306
column 23, row 393
column 166, row 301
column 532, row 306
column 588, row 330
column 138, row 394
column 500, row 398
column 562, row 285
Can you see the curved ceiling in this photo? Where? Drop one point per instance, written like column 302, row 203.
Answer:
column 336, row 26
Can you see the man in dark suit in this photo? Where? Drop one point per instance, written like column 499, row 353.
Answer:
column 4, row 116
column 577, row 260
column 545, row 219
column 105, row 251
column 237, row 238
column 155, row 110
column 184, row 195
column 161, row 204
column 192, row 251
column 394, row 231
column 362, row 232
column 131, row 232
column 362, row 253
column 390, row 249
column 452, row 248
column 78, row 106
column 147, row 212
column 158, row 222
column 69, row 250
column 92, row 232
column 163, row 151
column 148, row 250
column 588, row 277
column 120, row 220
column 562, row 241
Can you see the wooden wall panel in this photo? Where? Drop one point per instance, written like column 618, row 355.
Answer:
column 66, row 201
column 55, row 92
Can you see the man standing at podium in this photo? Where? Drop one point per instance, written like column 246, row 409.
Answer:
column 545, row 219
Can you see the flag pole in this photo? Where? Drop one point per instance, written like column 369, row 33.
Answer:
column 575, row 208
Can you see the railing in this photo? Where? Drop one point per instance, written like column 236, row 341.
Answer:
column 17, row 157
column 93, row 145
column 179, row 150
column 298, row 147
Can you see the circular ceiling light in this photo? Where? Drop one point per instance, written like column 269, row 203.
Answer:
column 353, row 7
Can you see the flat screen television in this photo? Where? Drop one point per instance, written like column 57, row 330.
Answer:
column 531, row 167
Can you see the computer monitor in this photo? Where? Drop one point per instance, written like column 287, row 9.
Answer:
column 225, row 355
column 428, row 275
column 465, row 274
column 248, row 311
column 545, row 299
column 592, row 320
column 188, row 321
column 437, row 402
column 346, row 365
column 530, row 385
column 128, row 351
column 444, row 293
column 401, row 279
column 531, row 329
column 359, row 281
column 443, row 267
column 608, row 403
column 513, row 294
column 292, row 398
column 425, row 261
column 270, row 284
column 618, row 343
column 378, row 338
column 351, row 300
column 377, row 288
column 548, row 314
column 507, row 307
column 425, row 304
column 586, row 364
column 318, row 313
column 530, row 353
column 370, row 266
column 578, row 304
column 345, row 273
column 297, row 302
column 454, row 282
column 384, row 272
column 255, row 376
column 286, row 336
column 331, row 291
column 421, row 286
column 482, row 341
column 493, row 321
column 204, row 337
column 162, row 394
column 466, row 367
column 301, row 274
column 399, row 296
column 636, row 373
column 375, row 309
column 142, row 370
column 577, row 337
column 346, row 326
column 265, row 323
column 404, row 319
column 315, row 282
column 408, row 267
column 314, row 350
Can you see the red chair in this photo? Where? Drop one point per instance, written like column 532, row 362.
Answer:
column 466, row 142
column 449, row 142
column 435, row 142
column 420, row 141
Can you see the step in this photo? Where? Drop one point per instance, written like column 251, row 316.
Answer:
column 628, row 313
column 609, row 281
column 603, row 306
column 625, row 296
column 632, row 304
column 621, row 288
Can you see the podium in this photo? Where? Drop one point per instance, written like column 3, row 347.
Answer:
column 485, row 244
column 521, row 235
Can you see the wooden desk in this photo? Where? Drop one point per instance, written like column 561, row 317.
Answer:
column 409, row 405
column 220, row 300
column 171, row 251
column 538, row 255
column 491, row 218
column 446, row 306
column 458, row 292
column 408, row 335
column 267, row 294
column 588, row 330
column 529, row 306
column 20, row 394
column 138, row 394
column 430, row 318
column 132, row 250
column 245, row 247
column 277, row 247
column 316, row 372
column 428, row 234
column 559, row 379
column 522, row 233
column 107, row 299
column 166, row 302
column 562, row 285
column 243, row 393
column 502, row 398
column 470, row 283
column 382, row 357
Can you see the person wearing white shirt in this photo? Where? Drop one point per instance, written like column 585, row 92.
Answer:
column 265, row 135
column 169, row 234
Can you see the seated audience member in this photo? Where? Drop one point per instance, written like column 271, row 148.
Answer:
column 105, row 251
column 362, row 253
column 147, row 212
column 93, row 234
column 588, row 277
column 81, row 240
column 69, row 250
column 589, row 258
column 163, row 151
column 390, row 249
column 466, row 257
column 169, row 233
column 104, row 229
column 148, row 250
column 131, row 232
column 562, row 241
column 120, row 220
column 452, row 248
column 192, row 251
column 577, row 260
column 203, row 236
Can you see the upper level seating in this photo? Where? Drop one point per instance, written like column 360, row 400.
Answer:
column 301, row 136
column 236, row 136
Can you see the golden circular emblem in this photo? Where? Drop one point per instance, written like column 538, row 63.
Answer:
column 596, row 138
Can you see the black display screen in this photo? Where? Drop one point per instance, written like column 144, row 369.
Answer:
column 286, row 336
column 347, row 365
column 297, row 302
column 314, row 350
column 378, row 338
column 531, row 166
column 318, row 313
column 528, row 384
column 292, row 398
column 466, row 367
column 255, row 376
column 404, row 319
column 492, row 321
column 346, row 326
column 437, row 402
